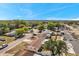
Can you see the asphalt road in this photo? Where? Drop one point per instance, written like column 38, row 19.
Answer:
column 74, row 42
column 14, row 43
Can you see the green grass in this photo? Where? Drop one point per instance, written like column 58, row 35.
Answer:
column 7, row 39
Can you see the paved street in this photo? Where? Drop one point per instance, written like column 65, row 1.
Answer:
column 14, row 43
column 70, row 47
column 74, row 42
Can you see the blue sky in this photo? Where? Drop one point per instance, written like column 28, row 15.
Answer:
column 39, row 11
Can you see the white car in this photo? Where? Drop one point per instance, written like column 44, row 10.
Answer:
column 3, row 46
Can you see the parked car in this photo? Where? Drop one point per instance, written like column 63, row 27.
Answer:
column 70, row 40
column 48, row 35
column 34, row 34
column 3, row 46
column 62, row 33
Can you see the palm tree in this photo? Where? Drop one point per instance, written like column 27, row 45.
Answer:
column 57, row 47
column 61, row 47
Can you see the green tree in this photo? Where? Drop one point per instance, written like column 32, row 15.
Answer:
column 19, row 32
column 20, row 23
column 25, row 29
column 11, row 26
column 41, row 28
column 5, row 29
column 51, row 25
column 57, row 47
column 61, row 47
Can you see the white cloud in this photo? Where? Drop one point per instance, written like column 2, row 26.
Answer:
column 76, row 19
column 53, row 18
